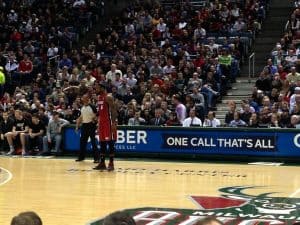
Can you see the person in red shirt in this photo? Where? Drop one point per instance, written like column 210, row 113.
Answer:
column 25, row 65
column 16, row 36
column 107, row 127
column 24, row 70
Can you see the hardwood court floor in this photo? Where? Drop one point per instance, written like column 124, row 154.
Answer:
column 64, row 192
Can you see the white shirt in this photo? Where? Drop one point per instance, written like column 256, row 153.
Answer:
column 52, row 52
column 192, row 121
column 90, row 82
column 112, row 75
column 168, row 69
column 87, row 114
column 161, row 27
column 131, row 81
column 212, row 123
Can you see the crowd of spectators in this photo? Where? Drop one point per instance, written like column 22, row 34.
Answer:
column 275, row 100
column 163, row 65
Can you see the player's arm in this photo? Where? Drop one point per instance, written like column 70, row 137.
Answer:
column 113, row 108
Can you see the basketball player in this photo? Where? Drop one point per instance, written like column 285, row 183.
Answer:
column 107, row 127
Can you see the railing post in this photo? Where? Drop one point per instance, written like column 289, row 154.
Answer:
column 251, row 73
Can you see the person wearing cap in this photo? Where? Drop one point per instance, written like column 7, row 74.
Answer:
column 2, row 81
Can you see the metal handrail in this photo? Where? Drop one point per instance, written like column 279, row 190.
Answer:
column 251, row 58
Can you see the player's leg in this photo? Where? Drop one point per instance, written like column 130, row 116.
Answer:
column 103, row 148
column 111, row 145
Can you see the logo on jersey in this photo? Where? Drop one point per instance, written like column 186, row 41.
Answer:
column 233, row 207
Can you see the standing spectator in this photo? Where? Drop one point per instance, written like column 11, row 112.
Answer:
column 54, row 135
column 87, row 120
column 180, row 108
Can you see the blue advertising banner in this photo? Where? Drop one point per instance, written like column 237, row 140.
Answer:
column 221, row 141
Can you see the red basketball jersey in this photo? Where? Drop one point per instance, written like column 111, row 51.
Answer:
column 104, row 113
column 106, row 132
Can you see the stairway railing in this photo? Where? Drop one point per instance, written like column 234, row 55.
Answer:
column 251, row 65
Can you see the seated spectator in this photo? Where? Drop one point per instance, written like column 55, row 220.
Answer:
column 199, row 100
column 192, row 120
column 253, row 121
column 173, row 120
column 237, row 121
column 111, row 75
column 229, row 116
column 291, row 59
column 136, row 120
column 6, row 125
column 12, row 64
column 239, row 25
column 65, row 62
column 53, row 134
column 264, row 82
column 293, row 77
column 275, row 120
column 294, row 99
column 294, row 122
column 34, row 137
column 271, row 69
column 158, row 120
column 211, row 120
column 23, row 75
column 20, row 126
column 264, row 117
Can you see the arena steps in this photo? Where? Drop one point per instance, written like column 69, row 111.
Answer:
column 241, row 90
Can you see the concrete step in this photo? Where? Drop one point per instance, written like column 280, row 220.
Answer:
column 245, row 79
column 280, row 12
column 264, row 40
column 224, row 104
column 237, row 101
column 277, row 18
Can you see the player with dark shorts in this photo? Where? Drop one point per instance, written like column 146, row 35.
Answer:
column 107, row 130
